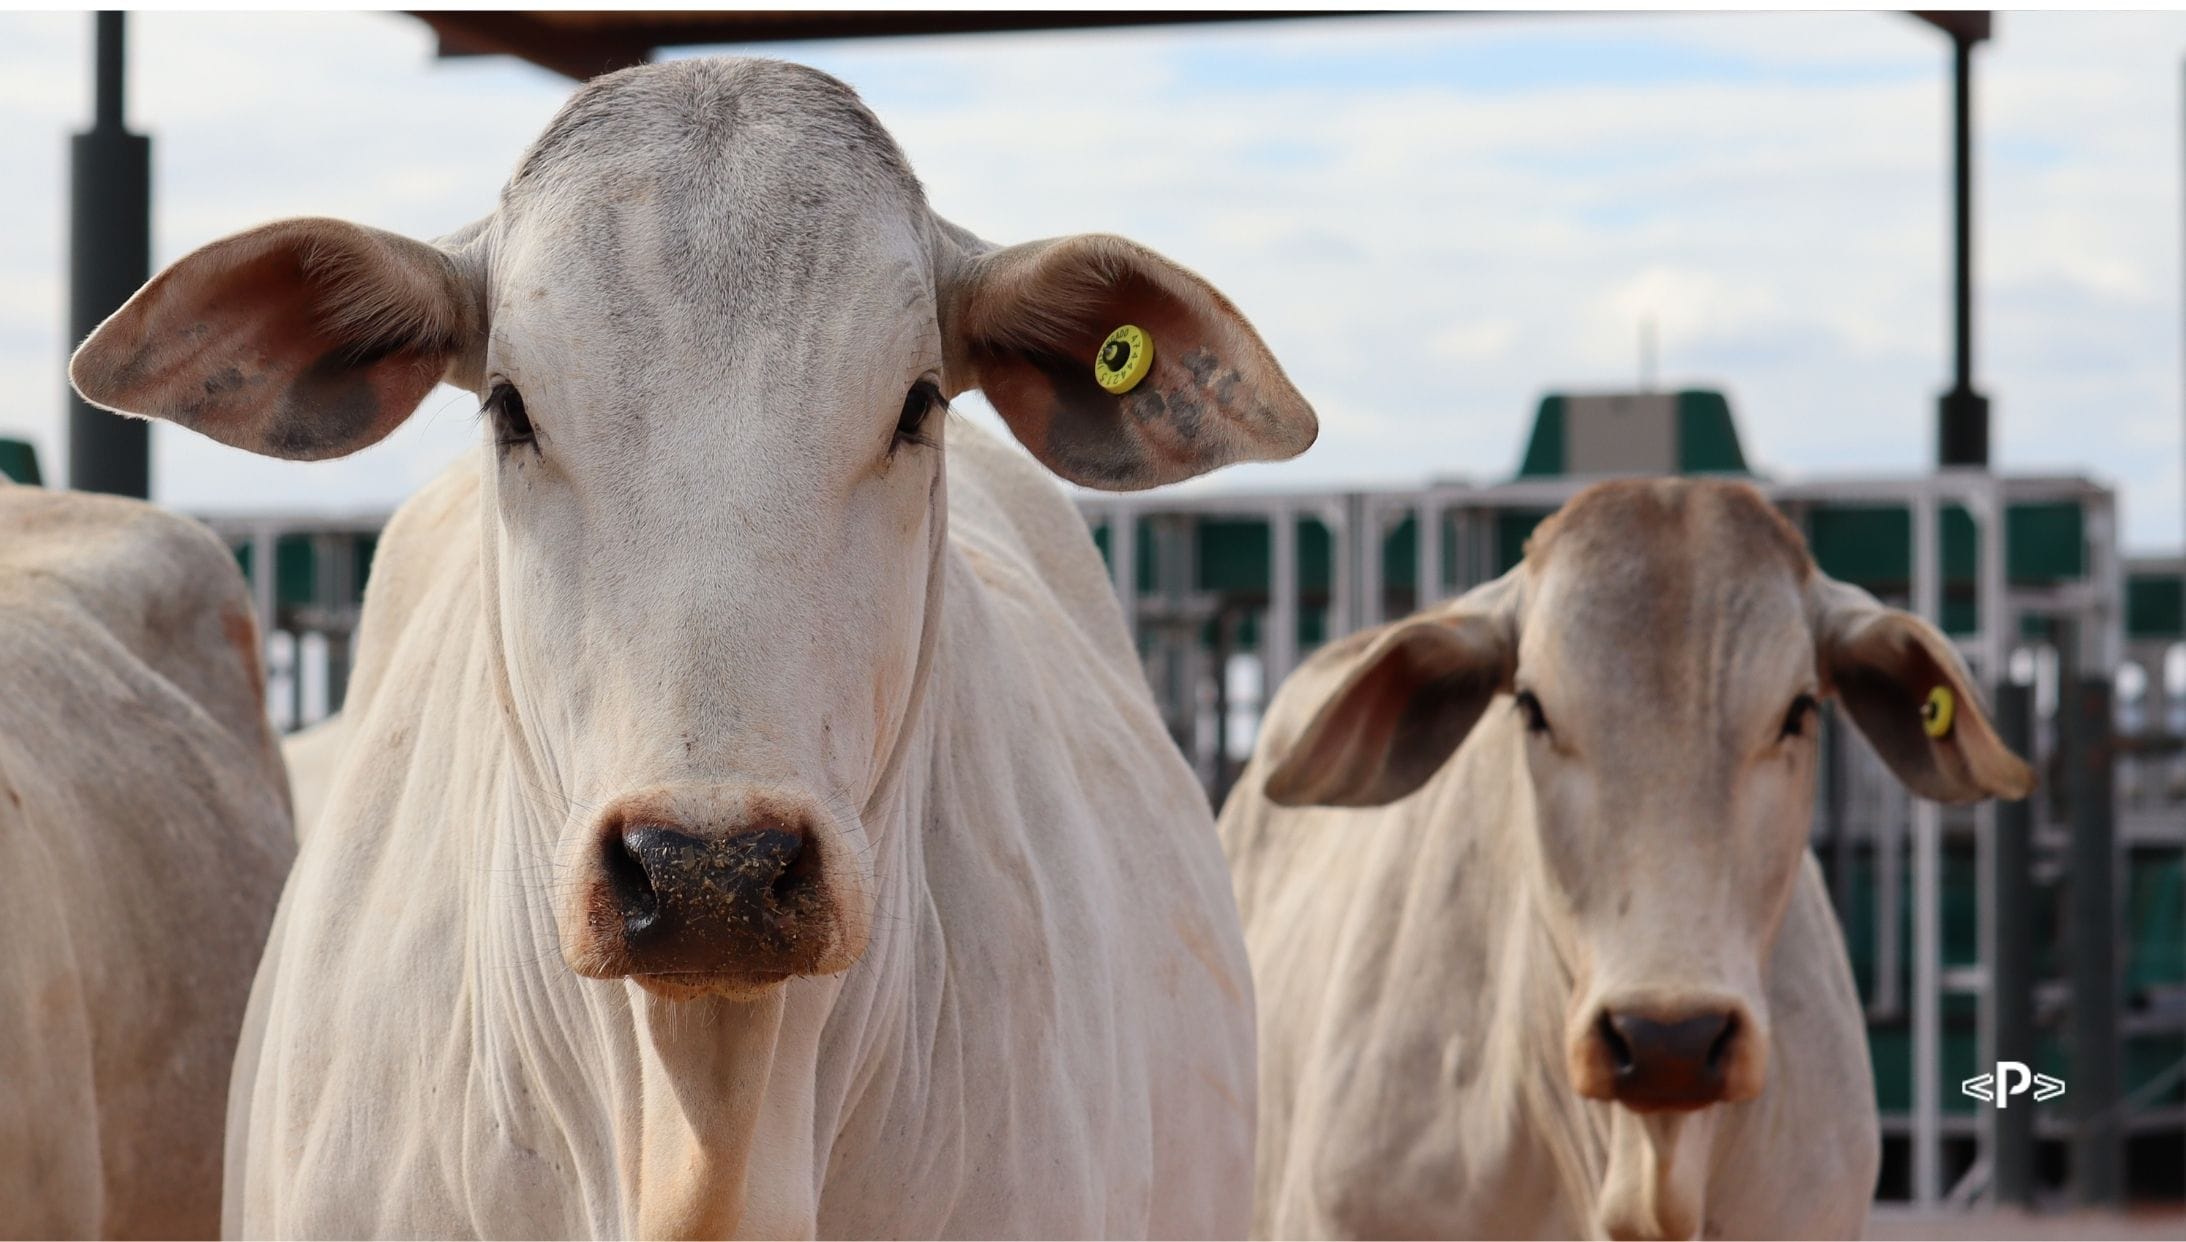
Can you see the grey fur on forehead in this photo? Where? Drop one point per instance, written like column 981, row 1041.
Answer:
column 724, row 110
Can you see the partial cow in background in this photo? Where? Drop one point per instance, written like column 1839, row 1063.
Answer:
column 752, row 817
column 1583, row 976
column 144, row 835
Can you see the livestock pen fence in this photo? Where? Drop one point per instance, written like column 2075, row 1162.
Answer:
column 2081, row 897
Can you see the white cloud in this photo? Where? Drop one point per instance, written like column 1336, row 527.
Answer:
column 1432, row 219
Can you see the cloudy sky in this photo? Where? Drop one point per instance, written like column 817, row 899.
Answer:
column 1433, row 220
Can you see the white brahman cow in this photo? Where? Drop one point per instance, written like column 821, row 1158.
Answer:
column 1575, row 971
column 144, row 834
column 743, row 823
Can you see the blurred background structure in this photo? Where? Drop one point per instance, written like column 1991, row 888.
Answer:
column 2053, row 932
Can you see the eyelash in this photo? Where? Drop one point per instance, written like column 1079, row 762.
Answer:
column 1802, row 709
column 919, row 405
column 511, row 425
column 1530, row 708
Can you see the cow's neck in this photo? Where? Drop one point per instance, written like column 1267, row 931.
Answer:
column 714, row 1132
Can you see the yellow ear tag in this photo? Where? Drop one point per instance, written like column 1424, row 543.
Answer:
column 1937, row 712
column 1125, row 358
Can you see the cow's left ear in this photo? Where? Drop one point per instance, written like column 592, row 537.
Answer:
column 1395, row 702
column 1909, row 693
column 1027, row 325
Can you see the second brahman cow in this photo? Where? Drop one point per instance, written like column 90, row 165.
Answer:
column 1541, row 948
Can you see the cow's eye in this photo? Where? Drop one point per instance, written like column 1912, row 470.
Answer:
column 919, row 405
column 1530, row 708
column 505, row 406
column 1802, row 710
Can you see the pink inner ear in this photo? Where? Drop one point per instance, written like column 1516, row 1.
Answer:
column 248, row 350
column 1212, row 395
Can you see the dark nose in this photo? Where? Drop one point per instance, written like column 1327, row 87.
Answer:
column 1678, row 1063
column 748, row 903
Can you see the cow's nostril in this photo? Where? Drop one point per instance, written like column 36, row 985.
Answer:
column 635, row 896
column 1719, row 1052
column 797, row 877
column 1620, row 1052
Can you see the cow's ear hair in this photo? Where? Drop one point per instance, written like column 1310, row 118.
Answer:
column 1405, row 698
column 1025, row 324
column 306, row 338
column 1906, row 689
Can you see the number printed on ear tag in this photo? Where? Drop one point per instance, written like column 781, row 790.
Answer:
column 1125, row 358
column 1936, row 713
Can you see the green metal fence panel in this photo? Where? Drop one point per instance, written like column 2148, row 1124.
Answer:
column 1544, row 458
column 1144, row 567
column 19, row 461
column 295, row 571
column 1707, row 435
column 2155, row 954
column 1512, row 528
column 1400, row 556
column 1316, row 557
column 367, row 546
column 2155, row 606
column 1869, row 545
column 2045, row 542
column 1234, row 554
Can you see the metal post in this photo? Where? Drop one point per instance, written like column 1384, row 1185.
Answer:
column 1279, row 638
column 1962, row 426
column 2099, row 1139
column 2011, row 884
column 1428, row 517
column 1175, row 680
column 1372, row 592
column 109, row 258
column 1123, row 565
column 1927, row 907
column 1225, row 642
column 1990, row 644
column 338, row 596
column 1343, row 570
column 262, row 541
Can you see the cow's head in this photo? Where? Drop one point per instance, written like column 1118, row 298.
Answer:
column 712, row 326
column 1664, row 647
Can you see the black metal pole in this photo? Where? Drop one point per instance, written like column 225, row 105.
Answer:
column 109, row 258
column 2098, row 1143
column 2013, row 889
column 1962, row 427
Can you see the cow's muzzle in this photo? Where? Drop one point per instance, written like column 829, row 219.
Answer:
column 1657, row 1057
column 720, row 908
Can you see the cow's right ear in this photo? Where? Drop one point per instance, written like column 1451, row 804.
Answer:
column 1903, row 684
column 305, row 338
column 1404, row 704
column 1035, row 328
